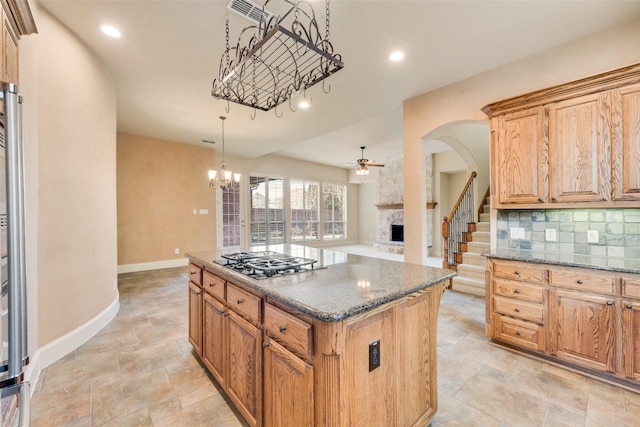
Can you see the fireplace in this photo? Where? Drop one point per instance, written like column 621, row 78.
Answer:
column 397, row 232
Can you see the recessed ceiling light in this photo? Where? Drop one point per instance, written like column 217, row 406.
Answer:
column 110, row 31
column 396, row 56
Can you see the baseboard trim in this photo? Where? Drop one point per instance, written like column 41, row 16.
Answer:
column 60, row 347
column 154, row 265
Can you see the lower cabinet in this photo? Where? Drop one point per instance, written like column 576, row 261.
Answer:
column 582, row 318
column 582, row 329
column 288, row 388
column 214, row 314
column 195, row 317
column 631, row 338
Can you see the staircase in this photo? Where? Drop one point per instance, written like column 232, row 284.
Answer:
column 470, row 278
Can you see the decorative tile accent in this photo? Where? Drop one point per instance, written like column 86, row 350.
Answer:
column 618, row 232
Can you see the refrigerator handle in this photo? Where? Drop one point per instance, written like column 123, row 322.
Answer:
column 24, row 399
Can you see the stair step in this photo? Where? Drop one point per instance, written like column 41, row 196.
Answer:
column 479, row 247
column 468, row 286
column 471, row 271
column 486, row 208
column 485, row 227
column 485, row 217
column 481, row 236
column 472, row 258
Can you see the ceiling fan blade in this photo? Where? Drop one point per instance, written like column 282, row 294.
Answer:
column 375, row 164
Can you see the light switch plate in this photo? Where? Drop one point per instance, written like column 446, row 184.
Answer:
column 550, row 235
column 592, row 236
column 516, row 233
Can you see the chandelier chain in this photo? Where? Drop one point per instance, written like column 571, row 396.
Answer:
column 227, row 39
column 327, row 35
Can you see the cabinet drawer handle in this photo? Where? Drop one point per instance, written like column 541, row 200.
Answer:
column 580, row 282
column 518, row 333
column 629, row 306
column 517, row 310
column 197, row 292
column 609, row 302
column 265, row 344
column 540, row 199
column 517, row 291
column 554, row 199
column 211, row 284
column 194, row 272
column 282, row 328
column 517, row 273
column 239, row 302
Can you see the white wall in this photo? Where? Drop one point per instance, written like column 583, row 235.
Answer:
column 70, row 134
column 462, row 101
column 367, row 220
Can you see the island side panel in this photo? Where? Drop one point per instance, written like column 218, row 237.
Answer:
column 402, row 391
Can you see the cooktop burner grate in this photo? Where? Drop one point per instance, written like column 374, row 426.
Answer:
column 264, row 264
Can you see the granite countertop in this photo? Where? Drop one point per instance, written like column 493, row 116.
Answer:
column 621, row 265
column 340, row 286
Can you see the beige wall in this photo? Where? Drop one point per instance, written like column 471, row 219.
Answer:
column 160, row 183
column 70, row 118
column 462, row 101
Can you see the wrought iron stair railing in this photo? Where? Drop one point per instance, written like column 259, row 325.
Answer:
column 456, row 226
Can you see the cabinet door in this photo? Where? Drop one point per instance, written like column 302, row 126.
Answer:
column 626, row 143
column 582, row 329
column 10, row 49
column 631, row 338
column 288, row 388
column 579, row 149
column 195, row 317
column 520, row 150
column 244, row 360
column 213, row 337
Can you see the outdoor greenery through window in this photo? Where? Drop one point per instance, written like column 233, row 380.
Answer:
column 304, row 210
column 267, row 210
column 334, row 211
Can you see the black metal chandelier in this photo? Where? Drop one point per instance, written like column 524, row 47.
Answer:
column 276, row 59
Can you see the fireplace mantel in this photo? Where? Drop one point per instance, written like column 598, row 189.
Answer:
column 390, row 205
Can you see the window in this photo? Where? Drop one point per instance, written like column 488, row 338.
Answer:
column 267, row 210
column 304, row 210
column 231, row 217
column 334, row 211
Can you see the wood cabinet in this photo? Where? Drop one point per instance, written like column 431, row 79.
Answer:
column 214, row 338
column 582, row 329
column 582, row 318
column 573, row 143
column 288, row 388
column 520, row 154
column 195, row 317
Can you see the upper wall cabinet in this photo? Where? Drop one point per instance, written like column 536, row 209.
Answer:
column 577, row 143
column 17, row 20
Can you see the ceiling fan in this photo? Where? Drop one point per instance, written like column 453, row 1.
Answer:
column 363, row 164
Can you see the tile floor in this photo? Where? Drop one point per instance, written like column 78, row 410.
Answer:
column 139, row 371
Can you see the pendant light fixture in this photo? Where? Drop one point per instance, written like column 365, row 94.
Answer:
column 223, row 179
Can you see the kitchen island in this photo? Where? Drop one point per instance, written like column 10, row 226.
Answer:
column 351, row 342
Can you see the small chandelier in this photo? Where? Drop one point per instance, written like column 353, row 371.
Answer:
column 225, row 179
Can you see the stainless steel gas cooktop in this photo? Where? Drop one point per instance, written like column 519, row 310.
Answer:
column 264, row 264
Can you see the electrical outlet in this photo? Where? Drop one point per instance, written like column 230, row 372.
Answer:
column 176, row 251
column 550, row 235
column 374, row 355
column 592, row 236
column 195, row 211
column 516, row 233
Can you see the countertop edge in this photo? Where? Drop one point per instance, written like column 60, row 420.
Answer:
column 240, row 279
column 541, row 260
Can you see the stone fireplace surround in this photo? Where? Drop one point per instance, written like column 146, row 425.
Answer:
column 387, row 217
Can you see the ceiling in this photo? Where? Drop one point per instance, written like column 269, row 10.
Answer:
column 165, row 62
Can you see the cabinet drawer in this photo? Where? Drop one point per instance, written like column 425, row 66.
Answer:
column 195, row 274
column 519, row 332
column 213, row 285
column 288, row 330
column 583, row 280
column 631, row 287
column 518, row 290
column 243, row 303
column 517, row 308
column 518, row 271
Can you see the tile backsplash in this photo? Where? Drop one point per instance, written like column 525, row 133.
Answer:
column 618, row 231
